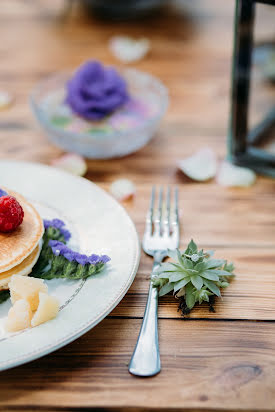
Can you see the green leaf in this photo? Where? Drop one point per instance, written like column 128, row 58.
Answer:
column 205, row 297
column 176, row 276
column 192, row 272
column 208, row 274
column 188, row 264
column 201, row 266
column 181, row 284
column 220, row 272
column 229, row 267
column 191, row 248
column 166, row 289
column 211, row 285
column 4, row 295
column 158, row 282
column 209, row 253
column 180, row 259
column 164, row 267
column 190, row 298
column 197, row 281
column 164, row 275
column 172, row 254
column 214, row 263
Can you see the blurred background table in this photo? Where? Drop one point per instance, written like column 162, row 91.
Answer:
column 211, row 361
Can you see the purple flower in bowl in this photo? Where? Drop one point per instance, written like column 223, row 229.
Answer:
column 3, row 193
column 95, row 91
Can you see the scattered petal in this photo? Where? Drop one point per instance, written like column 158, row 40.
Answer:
column 6, row 99
column 72, row 163
column 129, row 50
column 234, row 176
column 200, row 166
column 123, row 189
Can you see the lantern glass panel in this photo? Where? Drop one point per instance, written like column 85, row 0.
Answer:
column 262, row 87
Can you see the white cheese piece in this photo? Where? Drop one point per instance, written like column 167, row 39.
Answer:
column 47, row 309
column 28, row 288
column 19, row 316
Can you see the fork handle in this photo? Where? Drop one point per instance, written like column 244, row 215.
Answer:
column 145, row 360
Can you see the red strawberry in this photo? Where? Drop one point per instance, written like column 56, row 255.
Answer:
column 11, row 214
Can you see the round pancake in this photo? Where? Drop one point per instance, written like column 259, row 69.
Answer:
column 24, row 268
column 19, row 244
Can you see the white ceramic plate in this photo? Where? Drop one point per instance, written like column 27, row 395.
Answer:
column 98, row 225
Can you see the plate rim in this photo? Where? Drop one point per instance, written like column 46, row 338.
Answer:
column 78, row 332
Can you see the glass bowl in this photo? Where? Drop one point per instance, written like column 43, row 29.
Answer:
column 123, row 132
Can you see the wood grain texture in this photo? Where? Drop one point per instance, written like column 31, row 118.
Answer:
column 221, row 361
column 205, row 364
column 251, row 294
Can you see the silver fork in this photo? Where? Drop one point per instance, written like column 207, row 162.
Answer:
column 161, row 233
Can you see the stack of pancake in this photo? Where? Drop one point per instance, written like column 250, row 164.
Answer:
column 20, row 249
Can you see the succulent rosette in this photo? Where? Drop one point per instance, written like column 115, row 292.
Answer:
column 95, row 91
column 192, row 275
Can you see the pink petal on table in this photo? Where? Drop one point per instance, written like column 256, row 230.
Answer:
column 72, row 163
column 129, row 50
column 234, row 176
column 6, row 99
column 123, row 189
column 200, row 166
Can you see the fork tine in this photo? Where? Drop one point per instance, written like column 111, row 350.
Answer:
column 158, row 219
column 176, row 213
column 150, row 213
column 166, row 223
column 177, row 203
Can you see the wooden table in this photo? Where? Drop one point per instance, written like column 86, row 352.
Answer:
column 220, row 361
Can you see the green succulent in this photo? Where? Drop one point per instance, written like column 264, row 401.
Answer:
column 193, row 274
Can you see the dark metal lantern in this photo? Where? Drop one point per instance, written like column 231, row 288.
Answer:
column 241, row 141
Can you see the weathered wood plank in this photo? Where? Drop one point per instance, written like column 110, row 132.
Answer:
column 205, row 365
column 220, row 365
column 251, row 294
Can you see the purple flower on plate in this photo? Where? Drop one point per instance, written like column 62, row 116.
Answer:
column 95, row 91
column 3, row 193
column 59, row 248
column 58, row 224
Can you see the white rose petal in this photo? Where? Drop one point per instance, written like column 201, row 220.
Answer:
column 129, row 50
column 123, row 189
column 230, row 175
column 6, row 99
column 72, row 163
column 200, row 166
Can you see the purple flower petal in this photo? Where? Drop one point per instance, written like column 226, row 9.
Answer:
column 3, row 193
column 60, row 248
column 58, row 224
column 94, row 91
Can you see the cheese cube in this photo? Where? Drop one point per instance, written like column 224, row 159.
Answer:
column 19, row 316
column 47, row 309
column 28, row 288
